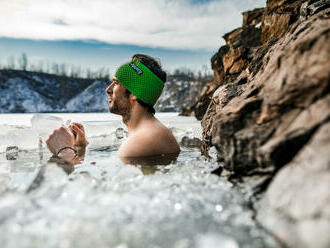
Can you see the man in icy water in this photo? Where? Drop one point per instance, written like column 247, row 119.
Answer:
column 132, row 94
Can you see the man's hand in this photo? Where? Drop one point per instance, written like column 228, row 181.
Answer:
column 79, row 134
column 61, row 137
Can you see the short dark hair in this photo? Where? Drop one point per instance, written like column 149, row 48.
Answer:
column 153, row 66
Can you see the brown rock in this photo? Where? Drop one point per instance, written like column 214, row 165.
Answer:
column 292, row 131
column 232, row 56
column 274, row 4
column 312, row 7
column 220, row 99
column 227, row 63
column 294, row 74
column 217, row 64
column 296, row 207
column 292, row 6
column 248, row 36
column 274, row 26
column 252, row 17
column 271, row 116
column 278, row 18
column 238, row 66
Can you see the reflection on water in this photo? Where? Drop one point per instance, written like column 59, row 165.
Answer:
column 105, row 203
column 151, row 161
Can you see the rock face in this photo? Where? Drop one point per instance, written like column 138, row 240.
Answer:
column 297, row 201
column 230, row 60
column 268, row 115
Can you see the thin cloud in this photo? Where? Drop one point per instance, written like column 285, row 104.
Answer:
column 59, row 22
column 163, row 23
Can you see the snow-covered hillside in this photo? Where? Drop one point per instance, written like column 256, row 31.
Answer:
column 18, row 97
column 92, row 99
column 178, row 92
column 32, row 92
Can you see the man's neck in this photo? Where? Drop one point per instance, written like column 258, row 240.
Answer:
column 137, row 115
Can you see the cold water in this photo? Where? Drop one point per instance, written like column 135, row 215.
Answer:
column 105, row 203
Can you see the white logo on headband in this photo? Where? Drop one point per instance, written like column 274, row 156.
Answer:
column 137, row 69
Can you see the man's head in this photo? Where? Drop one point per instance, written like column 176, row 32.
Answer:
column 143, row 77
column 118, row 99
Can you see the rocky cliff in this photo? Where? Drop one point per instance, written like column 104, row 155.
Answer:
column 267, row 113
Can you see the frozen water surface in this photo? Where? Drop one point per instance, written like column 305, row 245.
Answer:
column 104, row 203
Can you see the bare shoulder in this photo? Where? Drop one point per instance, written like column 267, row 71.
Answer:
column 152, row 139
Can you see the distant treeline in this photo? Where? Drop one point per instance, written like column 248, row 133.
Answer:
column 187, row 74
column 23, row 63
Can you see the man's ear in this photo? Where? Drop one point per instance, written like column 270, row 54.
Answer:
column 133, row 97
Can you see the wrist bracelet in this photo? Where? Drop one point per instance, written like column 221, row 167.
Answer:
column 67, row 147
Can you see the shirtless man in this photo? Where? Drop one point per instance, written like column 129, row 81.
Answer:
column 134, row 90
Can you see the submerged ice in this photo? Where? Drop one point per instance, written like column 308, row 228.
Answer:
column 104, row 203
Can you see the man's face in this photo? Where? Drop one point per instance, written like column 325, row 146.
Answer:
column 118, row 99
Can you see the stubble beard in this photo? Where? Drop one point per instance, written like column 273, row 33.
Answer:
column 121, row 108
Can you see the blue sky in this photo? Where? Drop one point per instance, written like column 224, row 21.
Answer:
column 181, row 33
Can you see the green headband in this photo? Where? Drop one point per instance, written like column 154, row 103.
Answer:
column 141, row 81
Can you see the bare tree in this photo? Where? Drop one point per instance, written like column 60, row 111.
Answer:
column 102, row 73
column 89, row 73
column 11, row 63
column 62, row 70
column 23, row 62
column 40, row 67
column 75, row 71
column 55, row 68
column 48, row 69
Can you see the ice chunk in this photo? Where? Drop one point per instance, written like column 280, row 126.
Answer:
column 216, row 240
column 120, row 133
column 45, row 124
column 17, row 136
column 11, row 152
column 23, row 181
column 190, row 142
column 127, row 172
column 181, row 205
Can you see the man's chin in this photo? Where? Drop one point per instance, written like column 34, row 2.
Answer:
column 113, row 111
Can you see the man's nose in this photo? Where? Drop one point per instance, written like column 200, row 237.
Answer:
column 109, row 89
